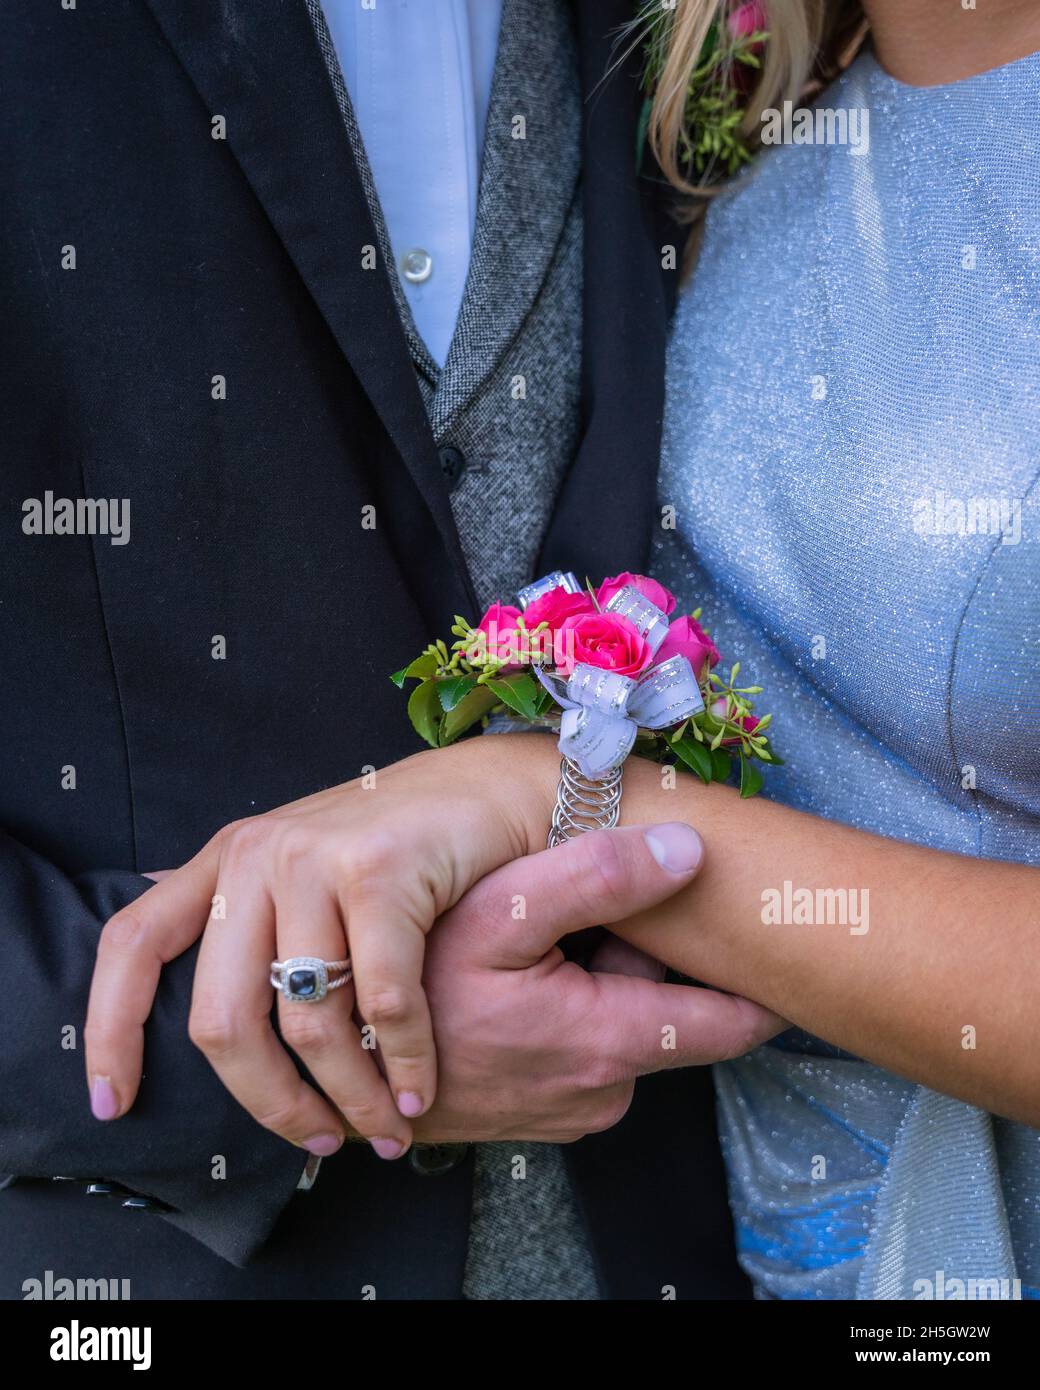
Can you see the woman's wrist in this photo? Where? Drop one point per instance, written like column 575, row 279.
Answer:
column 516, row 775
column 696, row 931
column 519, row 775
column 535, row 756
column 653, row 793
column 526, row 769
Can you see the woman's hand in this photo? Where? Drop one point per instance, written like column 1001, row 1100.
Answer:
column 361, row 870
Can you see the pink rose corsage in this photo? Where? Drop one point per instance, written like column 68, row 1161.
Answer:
column 608, row 669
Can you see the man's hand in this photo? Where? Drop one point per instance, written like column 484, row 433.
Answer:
column 532, row 1046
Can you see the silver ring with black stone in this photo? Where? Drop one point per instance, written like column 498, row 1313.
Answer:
column 307, row 979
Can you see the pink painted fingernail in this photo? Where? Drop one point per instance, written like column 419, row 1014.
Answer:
column 675, row 846
column 323, row 1144
column 388, row 1148
column 409, row 1103
column 104, row 1103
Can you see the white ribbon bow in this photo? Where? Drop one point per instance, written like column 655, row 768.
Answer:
column 603, row 711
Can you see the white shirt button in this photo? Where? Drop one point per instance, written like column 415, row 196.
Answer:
column 417, row 266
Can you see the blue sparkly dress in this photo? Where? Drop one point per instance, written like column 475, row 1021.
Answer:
column 852, row 447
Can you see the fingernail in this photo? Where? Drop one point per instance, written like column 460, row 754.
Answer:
column 323, row 1144
column 675, row 846
column 104, row 1103
column 388, row 1148
column 409, row 1104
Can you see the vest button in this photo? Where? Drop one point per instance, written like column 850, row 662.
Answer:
column 434, row 1160
column 453, row 465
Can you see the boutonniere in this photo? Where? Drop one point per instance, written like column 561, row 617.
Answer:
column 712, row 144
column 611, row 671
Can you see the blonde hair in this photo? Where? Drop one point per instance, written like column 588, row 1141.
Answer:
column 809, row 42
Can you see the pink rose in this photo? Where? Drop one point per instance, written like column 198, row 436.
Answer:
column 687, row 638
column 605, row 640
column 499, row 625
column 556, row 605
column 751, row 18
column 649, row 588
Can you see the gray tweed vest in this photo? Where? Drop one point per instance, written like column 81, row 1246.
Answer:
column 507, row 399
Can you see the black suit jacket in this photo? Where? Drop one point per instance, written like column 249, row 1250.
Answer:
column 241, row 258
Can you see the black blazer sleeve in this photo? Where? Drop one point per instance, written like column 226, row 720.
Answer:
column 170, row 1144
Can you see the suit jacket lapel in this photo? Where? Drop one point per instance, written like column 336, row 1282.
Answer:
column 421, row 358
column 606, row 509
column 526, row 189
column 257, row 63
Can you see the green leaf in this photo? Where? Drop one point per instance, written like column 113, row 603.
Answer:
column 424, row 710
column 545, row 702
column 750, row 778
column 451, row 691
column 421, row 669
column 519, row 693
column 466, row 713
column 721, row 766
column 696, row 757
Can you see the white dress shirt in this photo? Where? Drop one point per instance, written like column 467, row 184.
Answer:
column 419, row 76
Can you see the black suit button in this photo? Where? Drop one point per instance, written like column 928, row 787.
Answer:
column 453, row 464
column 434, row 1160
column 144, row 1204
column 132, row 1201
column 107, row 1189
